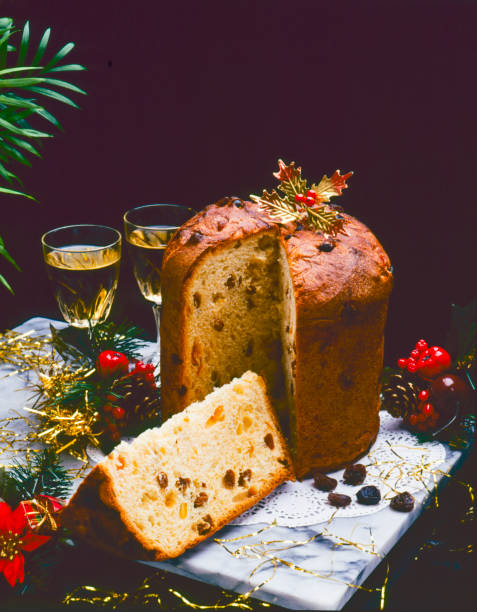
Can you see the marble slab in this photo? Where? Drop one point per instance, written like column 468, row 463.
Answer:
column 343, row 566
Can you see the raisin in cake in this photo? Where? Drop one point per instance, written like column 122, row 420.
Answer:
column 176, row 485
column 304, row 310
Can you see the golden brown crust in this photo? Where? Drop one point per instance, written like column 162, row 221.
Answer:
column 95, row 516
column 341, row 298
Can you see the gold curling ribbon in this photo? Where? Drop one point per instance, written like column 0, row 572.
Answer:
column 260, row 552
column 24, row 351
column 94, row 596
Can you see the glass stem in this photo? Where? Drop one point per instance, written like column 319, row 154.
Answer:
column 156, row 308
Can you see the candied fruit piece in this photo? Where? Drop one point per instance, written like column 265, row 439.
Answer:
column 354, row 474
column 229, row 479
column 339, row 500
column 403, row 502
column 324, row 483
column 244, row 478
column 369, row 496
column 268, row 439
column 162, row 480
column 201, row 499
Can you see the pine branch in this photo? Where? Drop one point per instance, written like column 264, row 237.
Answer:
column 84, row 346
column 41, row 474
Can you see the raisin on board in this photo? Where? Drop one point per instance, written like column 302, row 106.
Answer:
column 338, row 500
column 354, row 474
column 324, row 483
column 369, row 496
column 403, row 502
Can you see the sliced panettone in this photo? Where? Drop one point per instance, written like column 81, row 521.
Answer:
column 176, row 485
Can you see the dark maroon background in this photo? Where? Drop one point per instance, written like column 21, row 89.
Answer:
column 191, row 101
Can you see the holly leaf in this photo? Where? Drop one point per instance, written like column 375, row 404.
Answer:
column 326, row 220
column 330, row 187
column 291, row 182
column 276, row 207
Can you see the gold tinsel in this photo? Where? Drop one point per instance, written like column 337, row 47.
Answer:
column 24, row 352
column 71, row 426
column 65, row 427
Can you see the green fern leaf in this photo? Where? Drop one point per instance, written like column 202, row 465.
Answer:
column 53, row 94
column 49, row 117
column 13, row 153
column 29, row 78
column 7, row 175
column 21, row 82
column 60, row 55
column 5, row 283
column 4, row 253
column 24, row 44
column 24, row 144
column 67, row 67
column 64, row 84
column 18, row 102
column 14, row 192
column 18, row 69
column 40, row 52
column 28, row 132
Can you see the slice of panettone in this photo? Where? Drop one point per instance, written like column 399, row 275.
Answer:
column 176, row 485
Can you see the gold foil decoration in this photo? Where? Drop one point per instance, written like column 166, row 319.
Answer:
column 72, row 426
column 24, row 352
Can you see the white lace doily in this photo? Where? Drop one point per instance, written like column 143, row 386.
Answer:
column 396, row 462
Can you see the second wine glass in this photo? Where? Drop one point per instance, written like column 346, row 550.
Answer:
column 148, row 230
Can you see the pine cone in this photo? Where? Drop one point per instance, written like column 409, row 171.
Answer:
column 399, row 395
column 140, row 400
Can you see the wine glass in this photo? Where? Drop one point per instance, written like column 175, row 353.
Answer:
column 148, row 230
column 82, row 263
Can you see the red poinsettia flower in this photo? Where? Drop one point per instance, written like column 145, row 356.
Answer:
column 15, row 536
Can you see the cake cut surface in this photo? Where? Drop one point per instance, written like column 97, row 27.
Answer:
column 176, row 485
column 305, row 310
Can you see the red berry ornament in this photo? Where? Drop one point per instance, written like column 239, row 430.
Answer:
column 311, row 194
column 428, row 410
column 112, row 363
column 300, row 198
column 402, row 363
column 423, row 395
column 421, row 345
column 118, row 412
column 411, row 366
column 432, row 362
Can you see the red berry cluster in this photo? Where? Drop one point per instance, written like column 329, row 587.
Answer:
column 426, row 416
column 426, row 361
column 114, row 365
column 445, row 392
column 309, row 199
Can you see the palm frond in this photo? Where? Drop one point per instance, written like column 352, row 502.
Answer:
column 4, row 281
column 22, row 80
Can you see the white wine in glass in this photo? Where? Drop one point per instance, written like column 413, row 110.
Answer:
column 146, row 249
column 148, row 230
column 82, row 263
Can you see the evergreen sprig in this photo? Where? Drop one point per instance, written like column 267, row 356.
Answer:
column 42, row 473
column 27, row 75
column 84, row 346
